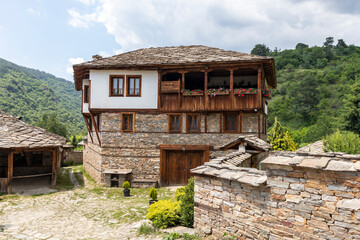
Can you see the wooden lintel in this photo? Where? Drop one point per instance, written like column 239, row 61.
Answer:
column 10, row 172
column 88, row 128
column 184, row 147
column 96, row 127
column 38, row 149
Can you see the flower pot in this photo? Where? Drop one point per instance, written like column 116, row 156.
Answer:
column 126, row 192
column 152, row 201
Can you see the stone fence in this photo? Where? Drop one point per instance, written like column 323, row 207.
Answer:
column 295, row 197
column 76, row 157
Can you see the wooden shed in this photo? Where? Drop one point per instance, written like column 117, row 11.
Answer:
column 27, row 152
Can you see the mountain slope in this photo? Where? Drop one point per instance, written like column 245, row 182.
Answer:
column 30, row 93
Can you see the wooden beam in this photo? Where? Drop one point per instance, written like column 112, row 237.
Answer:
column 259, row 87
column 259, row 126
column 221, row 124
column 240, row 122
column 205, row 122
column 89, row 106
column 88, row 128
column 10, row 172
column 182, row 147
column 232, row 87
column 206, row 96
column 159, row 89
column 96, row 127
column 54, row 168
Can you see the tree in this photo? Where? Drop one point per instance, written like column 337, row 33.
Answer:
column 51, row 123
column 352, row 108
column 329, row 42
column 280, row 138
column 260, row 50
column 341, row 43
column 347, row 142
column 301, row 46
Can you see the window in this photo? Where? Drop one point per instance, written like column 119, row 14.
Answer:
column 127, row 122
column 133, row 85
column 231, row 123
column 117, row 86
column 86, row 94
column 174, row 123
column 193, row 123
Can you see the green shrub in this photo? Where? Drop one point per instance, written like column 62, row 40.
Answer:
column 180, row 192
column 164, row 213
column 172, row 236
column 347, row 142
column 187, row 205
column 126, row 185
column 153, row 194
column 145, row 229
column 280, row 138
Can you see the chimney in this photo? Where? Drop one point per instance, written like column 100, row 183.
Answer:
column 96, row 57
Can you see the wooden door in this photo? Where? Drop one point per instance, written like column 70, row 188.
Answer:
column 176, row 165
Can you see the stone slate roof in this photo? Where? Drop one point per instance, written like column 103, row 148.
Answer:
column 326, row 161
column 251, row 140
column 236, row 158
column 15, row 133
column 174, row 56
column 314, row 148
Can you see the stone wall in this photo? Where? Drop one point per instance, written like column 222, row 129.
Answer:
column 140, row 151
column 297, row 197
column 76, row 157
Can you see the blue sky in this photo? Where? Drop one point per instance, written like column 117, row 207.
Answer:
column 50, row 35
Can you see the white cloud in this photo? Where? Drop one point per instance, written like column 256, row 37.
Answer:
column 81, row 21
column 72, row 61
column 87, row 2
column 36, row 13
column 228, row 24
column 104, row 54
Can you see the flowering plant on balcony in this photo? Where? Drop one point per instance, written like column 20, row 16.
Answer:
column 188, row 92
column 242, row 91
column 266, row 93
column 218, row 91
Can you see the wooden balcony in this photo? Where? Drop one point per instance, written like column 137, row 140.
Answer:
column 170, row 87
column 221, row 102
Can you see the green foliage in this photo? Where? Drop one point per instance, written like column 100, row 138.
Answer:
column 75, row 139
column 318, row 90
column 187, row 205
column 51, row 123
column 30, row 93
column 153, row 194
column 145, row 229
column 180, row 192
column 347, row 142
column 164, row 213
column 260, row 50
column 171, row 236
column 280, row 138
column 126, row 185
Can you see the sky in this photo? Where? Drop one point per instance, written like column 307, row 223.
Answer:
column 51, row 35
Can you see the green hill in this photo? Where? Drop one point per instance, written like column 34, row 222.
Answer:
column 318, row 89
column 30, row 93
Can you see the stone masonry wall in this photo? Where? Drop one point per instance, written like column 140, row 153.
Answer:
column 92, row 162
column 302, row 198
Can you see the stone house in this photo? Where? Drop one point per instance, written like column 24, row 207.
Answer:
column 27, row 152
column 153, row 114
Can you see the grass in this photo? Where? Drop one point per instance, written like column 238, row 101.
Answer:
column 146, row 229
column 63, row 181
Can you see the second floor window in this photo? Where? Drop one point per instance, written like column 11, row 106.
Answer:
column 86, row 94
column 127, row 122
column 117, row 86
column 230, row 123
column 175, row 123
column 193, row 123
column 133, row 86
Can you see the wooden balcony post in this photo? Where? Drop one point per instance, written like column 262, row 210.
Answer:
column 206, row 99
column 10, row 172
column 259, row 87
column 232, row 87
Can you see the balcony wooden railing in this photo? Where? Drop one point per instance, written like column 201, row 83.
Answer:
column 170, row 86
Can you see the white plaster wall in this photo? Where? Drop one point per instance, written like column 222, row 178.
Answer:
column 85, row 108
column 100, row 90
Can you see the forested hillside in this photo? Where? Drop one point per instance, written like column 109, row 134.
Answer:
column 30, row 93
column 318, row 89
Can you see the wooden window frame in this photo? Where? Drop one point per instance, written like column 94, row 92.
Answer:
column 236, row 123
column 128, row 85
column 111, row 94
column 169, row 122
column 122, row 122
column 198, row 123
column 86, row 93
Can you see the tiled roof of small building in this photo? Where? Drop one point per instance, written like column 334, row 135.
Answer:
column 252, row 140
column 15, row 133
column 316, row 147
column 179, row 55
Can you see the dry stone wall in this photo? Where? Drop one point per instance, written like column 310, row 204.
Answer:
column 297, row 197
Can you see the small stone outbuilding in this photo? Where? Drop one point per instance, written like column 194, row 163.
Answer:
column 27, row 152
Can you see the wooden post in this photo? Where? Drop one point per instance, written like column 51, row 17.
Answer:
column 182, row 87
column 221, row 124
column 205, row 122
column 259, row 87
column 54, row 168
column 240, row 122
column 206, row 97
column 259, row 127
column 159, row 90
column 88, row 128
column 96, row 127
column 10, row 171
column 232, row 87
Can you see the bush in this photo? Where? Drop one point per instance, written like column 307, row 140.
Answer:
column 172, row 236
column 164, row 213
column 347, row 142
column 126, row 185
column 153, row 194
column 145, row 229
column 180, row 192
column 280, row 138
column 187, row 205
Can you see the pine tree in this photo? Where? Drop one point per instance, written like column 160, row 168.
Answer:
column 280, row 138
